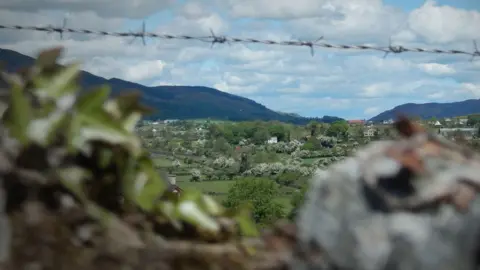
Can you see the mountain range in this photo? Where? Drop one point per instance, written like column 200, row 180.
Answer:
column 429, row 110
column 178, row 102
column 196, row 102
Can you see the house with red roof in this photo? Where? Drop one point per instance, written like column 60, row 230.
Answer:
column 356, row 122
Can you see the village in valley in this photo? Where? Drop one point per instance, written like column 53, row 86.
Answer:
column 274, row 158
column 449, row 127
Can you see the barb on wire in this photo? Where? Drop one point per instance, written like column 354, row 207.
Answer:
column 218, row 39
column 311, row 45
column 213, row 39
column 59, row 30
column 139, row 34
column 393, row 49
column 64, row 25
column 476, row 52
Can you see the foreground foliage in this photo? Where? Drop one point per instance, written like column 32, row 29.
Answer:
column 68, row 151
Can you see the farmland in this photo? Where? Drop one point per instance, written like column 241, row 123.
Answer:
column 212, row 156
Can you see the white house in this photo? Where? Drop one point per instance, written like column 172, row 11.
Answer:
column 168, row 121
column 370, row 132
column 387, row 122
column 467, row 132
column 462, row 121
column 272, row 140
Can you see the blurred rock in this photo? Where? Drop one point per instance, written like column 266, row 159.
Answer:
column 352, row 225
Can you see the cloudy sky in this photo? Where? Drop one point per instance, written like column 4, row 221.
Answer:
column 350, row 84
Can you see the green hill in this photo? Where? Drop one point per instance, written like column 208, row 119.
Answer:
column 180, row 102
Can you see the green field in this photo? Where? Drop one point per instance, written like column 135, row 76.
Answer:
column 162, row 162
column 309, row 160
column 224, row 186
column 207, row 186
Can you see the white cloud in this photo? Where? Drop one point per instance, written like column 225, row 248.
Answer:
column 193, row 10
column 351, row 21
column 473, row 89
column 348, row 83
column 235, row 89
column 108, row 8
column 309, row 106
column 376, row 89
column 443, row 24
column 84, row 19
column 144, row 70
column 301, row 9
column 134, row 71
column 436, row 95
column 162, row 83
column 436, row 69
column 371, row 111
column 302, row 88
column 283, row 9
column 404, row 35
column 195, row 22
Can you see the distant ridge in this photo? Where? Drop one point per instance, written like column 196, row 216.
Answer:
column 429, row 110
column 180, row 102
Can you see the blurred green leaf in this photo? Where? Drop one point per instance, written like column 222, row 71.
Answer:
column 168, row 210
column 129, row 102
column 244, row 220
column 41, row 130
column 72, row 178
column 73, row 140
column 133, row 181
column 127, row 108
column 147, row 193
column 102, row 131
column 105, row 158
column 98, row 125
column 131, row 121
column 61, row 84
column 19, row 114
column 191, row 212
column 210, row 205
column 93, row 99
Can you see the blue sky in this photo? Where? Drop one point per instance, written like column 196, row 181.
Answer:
column 350, row 84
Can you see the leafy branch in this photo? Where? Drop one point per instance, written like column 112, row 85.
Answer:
column 83, row 143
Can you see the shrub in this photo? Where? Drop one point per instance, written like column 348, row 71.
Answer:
column 259, row 193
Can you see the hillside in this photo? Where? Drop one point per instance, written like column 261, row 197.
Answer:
column 179, row 102
column 429, row 110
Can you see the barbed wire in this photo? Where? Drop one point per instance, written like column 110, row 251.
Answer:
column 222, row 39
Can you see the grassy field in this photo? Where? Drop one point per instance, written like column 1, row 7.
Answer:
column 221, row 187
column 162, row 162
column 207, row 186
column 310, row 160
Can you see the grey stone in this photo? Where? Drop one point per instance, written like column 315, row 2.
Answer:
column 352, row 234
